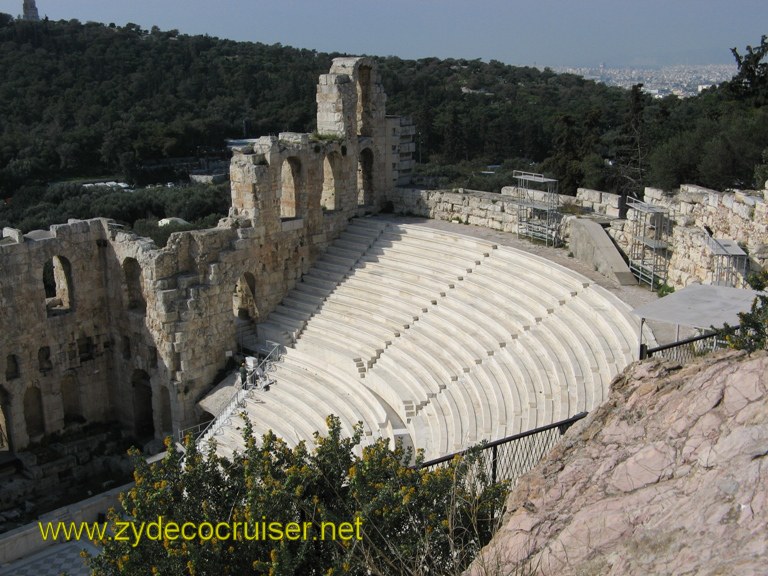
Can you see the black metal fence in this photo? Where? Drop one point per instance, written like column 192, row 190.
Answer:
column 686, row 350
column 509, row 458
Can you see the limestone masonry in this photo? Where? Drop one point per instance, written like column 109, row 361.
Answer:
column 98, row 324
column 741, row 216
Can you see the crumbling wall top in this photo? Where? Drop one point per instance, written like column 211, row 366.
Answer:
column 349, row 64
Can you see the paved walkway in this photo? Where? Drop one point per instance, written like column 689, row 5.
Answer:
column 56, row 560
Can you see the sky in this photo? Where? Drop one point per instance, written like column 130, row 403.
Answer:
column 554, row 33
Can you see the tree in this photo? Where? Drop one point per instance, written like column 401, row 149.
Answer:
column 761, row 171
column 752, row 77
column 753, row 325
column 632, row 154
column 390, row 518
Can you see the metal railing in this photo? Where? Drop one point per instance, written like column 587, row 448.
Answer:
column 204, row 431
column 507, row 459
column 684, row 351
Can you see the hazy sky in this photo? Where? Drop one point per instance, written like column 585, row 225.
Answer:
column 521, row 32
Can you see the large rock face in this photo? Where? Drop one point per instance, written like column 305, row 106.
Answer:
column 670, row 476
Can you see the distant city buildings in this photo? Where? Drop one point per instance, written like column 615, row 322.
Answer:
column 681, row 80
column 30, row 11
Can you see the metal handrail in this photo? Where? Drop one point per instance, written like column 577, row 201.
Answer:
column 236, row 399
column 688, row 342
column 530, row 458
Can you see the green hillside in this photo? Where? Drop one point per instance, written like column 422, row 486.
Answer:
column 91, row 100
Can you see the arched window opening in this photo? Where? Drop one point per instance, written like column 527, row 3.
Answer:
column 44, row 359
column 331, row 182
column 364, row 107
column 244, row 299
column 12, row 370
column 134, row 291
column 290, row 188
column 57, row 282
column 365, row 178
column 85, row 348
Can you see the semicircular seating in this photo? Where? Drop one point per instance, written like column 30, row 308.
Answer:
column 437, row 338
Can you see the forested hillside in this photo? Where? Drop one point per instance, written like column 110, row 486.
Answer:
column 91, row 100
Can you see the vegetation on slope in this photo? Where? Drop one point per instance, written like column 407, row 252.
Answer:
column 753, row 325
column 380, row 515
column 85, row 100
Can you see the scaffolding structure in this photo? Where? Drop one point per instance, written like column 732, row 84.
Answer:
column 649, row 241
column 730, row 262
column 538, row 203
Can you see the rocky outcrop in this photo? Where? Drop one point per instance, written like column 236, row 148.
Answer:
column 670, row 476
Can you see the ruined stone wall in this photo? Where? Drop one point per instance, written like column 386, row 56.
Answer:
column 741, row 216
column 55, row 343
column 474, row 207
column 467, row 207
column 123, row 330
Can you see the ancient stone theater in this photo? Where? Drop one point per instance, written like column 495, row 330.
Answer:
column 421, row 333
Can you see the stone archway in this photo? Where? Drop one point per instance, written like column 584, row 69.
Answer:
column 134, row 293
column 143, row 417
column 290, row 189
column 57, row 283
column 329, row 199
column 365, row 192
column 244, row 298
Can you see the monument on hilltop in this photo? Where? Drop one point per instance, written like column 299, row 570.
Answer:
column 30, row 11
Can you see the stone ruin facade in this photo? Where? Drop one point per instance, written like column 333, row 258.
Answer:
column 741, row 216
column 101, row 325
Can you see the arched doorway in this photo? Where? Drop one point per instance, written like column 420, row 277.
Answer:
column 365, row 178
column 246, row 312
column 290, row 188
column 57, row 283
column 143, row 421
column 70, row 399
column 33, row 413
column 331, row 184
column 134, row 293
